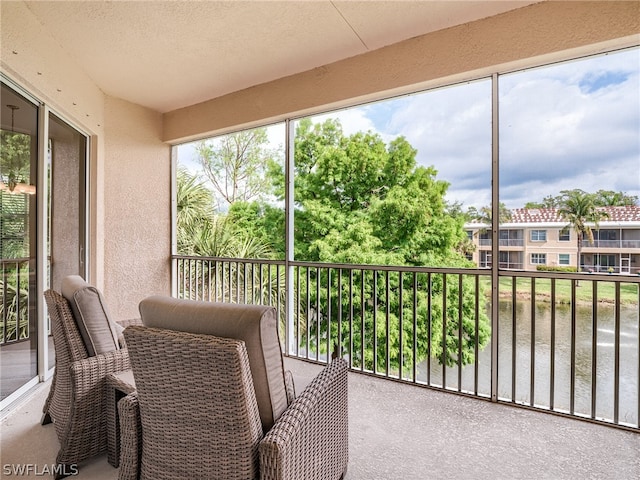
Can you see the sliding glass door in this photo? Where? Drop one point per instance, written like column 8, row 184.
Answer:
column 18, row 242
column 42, row 231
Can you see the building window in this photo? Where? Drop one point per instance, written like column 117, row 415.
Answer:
column 563, row 259
column 564, row 235
column 485, row 259
column 539, row 258
column 538, row 235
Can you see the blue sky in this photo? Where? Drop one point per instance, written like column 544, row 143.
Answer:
column 569, row 125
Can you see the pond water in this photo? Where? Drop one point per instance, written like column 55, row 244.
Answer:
column 602, row 359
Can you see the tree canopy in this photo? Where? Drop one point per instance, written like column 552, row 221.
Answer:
column 580, row 209
column 360, row 201
column 235, row 164
column 601, row 198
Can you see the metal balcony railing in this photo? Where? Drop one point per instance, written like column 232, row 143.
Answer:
column 611, row 244
column 565, row 343
column 14, row 300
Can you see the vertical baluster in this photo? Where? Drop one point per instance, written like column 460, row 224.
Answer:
column 460, row 332
column 351, row 318
column 594, row 348
column 209, row 280
column 17, row 300
column 375, row 321
column 245, row 296
column 216, row 277
column 238, row 282
column 5, row 314
column 308, row 340
column 476, row 346
column 362, row 319
column 638, row 357
column 532, row 372
column 513, row 339
column 429, row 322
column 317, row 313
column 444, row 331
column 388, row 311
column 400, row 326
column 279, row 308
column 616, row 377
column 572, row 380
column 552, row 360
column 339, row 313
column 414, row 347
column 297, row 300
column 329, row 315
column 270, row 285
column 230, row 281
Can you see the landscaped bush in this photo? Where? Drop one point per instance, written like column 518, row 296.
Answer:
column 550, row 268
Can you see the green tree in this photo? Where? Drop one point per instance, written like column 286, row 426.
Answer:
column 580, row 210
column 484, row 216
column 360, row 201
column 236, row 164
column 602, row 198
column 548, row 202
column 203, row 232
column 609, row 198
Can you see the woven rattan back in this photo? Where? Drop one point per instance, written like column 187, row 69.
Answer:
column 68, row 349
column 198, row 409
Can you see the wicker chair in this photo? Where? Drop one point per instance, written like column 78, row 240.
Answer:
column 195, row 415
column 76, row 401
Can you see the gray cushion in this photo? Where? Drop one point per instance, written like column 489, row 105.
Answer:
column 98, row 331
column 254, row 324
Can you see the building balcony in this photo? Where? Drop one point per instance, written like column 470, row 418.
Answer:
column 538, row 410
column 619, row 244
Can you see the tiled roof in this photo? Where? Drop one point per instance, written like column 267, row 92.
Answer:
column 630, row 213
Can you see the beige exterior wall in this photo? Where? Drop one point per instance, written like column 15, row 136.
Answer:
column 552, row 247
column 137, row 202
column 540, row 33
column 130, row 230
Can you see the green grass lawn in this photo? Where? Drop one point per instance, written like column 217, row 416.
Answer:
column 584, row 292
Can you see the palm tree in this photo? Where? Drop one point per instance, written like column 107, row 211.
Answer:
column 203, row 232
column 195, row 208
column 485, row 216
column 580, row 210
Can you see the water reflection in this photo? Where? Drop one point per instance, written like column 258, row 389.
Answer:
column 594, row 367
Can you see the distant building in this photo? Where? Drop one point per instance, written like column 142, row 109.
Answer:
column 540, row 237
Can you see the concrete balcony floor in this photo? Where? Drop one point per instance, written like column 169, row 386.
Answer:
column 405, row 432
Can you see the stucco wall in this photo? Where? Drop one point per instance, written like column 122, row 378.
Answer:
column 137, row 203
column 548, row 31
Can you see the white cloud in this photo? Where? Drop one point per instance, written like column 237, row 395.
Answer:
column 572, row 125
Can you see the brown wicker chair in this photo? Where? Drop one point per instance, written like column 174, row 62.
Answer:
column 76, row 401
column 195, row 415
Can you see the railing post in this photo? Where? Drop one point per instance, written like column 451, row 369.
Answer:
column 290, row 340
column 495, row 248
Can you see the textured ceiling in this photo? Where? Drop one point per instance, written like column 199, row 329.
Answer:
column 170, row 54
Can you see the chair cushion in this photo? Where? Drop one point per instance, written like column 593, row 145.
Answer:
column 254, row 324
column 98, row 331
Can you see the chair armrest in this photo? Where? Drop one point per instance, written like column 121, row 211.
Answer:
column 90, row 372
column 130, row 322
column 311, row 438
column 130, row 437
